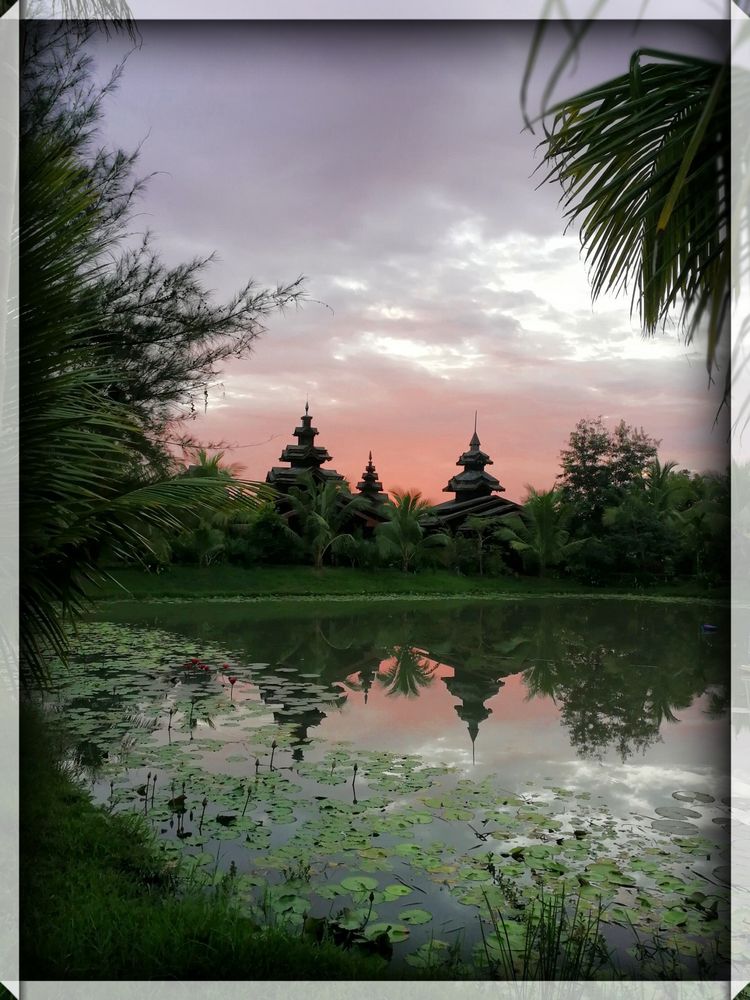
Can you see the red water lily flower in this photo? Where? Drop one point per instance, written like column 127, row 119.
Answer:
column 194, row 660
column 232, row 681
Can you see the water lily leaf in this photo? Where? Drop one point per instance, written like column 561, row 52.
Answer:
column 329, row 891
column 415, row 916
column 395, row 932
column 676, row 812
column 674, row 826
column 428, row 955
column 395, row 891
column 359, row 883
column 685, row 796
column 475, row 875
column 352, row 920
column 457, row 814
column 290, row 903
column 670, row 884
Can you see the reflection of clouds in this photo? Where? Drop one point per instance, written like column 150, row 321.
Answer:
column 451, row 755
column 642, row 787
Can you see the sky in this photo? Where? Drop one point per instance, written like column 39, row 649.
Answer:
column 388, row 164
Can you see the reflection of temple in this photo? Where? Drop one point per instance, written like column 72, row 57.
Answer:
column 475, row 491
column 366, row 674
column 473, row 689
column 308, row 651
column 300, row 718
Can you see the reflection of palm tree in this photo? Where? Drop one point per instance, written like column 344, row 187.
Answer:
column 540, row 679
column 408, row 674
column 718, row 702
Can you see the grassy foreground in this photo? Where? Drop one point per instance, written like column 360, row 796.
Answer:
column 101, row 901
column 304, row 581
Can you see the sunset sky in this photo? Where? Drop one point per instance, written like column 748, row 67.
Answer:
column 388, row 164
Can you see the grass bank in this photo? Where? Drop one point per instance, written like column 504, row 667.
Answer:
column 304, row 581
column 101, row 901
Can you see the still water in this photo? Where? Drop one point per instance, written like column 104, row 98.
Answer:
column 447, row 758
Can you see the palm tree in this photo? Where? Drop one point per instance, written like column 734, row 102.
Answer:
column 643, row 161
column 402, row 534
column 666, row 489
column 481, row 528
column 323, row 510
column 205, row 538
column 211, row 467
column 662, row 493
column 539, row 532
column 706, row 522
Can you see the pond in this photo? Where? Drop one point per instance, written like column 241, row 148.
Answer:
column 419, row 773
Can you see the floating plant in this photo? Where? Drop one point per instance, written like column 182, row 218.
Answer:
column 416, row 841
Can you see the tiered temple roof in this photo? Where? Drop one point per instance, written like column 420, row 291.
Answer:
column 303, row 457
column 473, row 482
column 475, row 491
column 370, row 487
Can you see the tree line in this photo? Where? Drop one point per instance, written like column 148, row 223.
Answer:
column 617, row 513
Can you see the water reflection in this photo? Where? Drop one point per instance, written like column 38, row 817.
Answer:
column 406, row 672
column 617, row 674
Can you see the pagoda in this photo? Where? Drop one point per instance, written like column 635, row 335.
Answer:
column 475, row 491
column 473, row 482
column 305, row 457
column 370, row 487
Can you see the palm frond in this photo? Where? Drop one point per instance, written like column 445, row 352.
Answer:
column 643, row 162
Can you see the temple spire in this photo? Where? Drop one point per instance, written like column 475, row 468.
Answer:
column 474, row 482
column 474, row 443
column 303, row 457
column 370, row 486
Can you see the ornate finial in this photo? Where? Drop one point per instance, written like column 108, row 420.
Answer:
column 307, row 405
column 370, row 456
column 475, row 421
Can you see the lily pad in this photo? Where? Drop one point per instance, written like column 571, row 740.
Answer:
column 675, row 917
column 685, row 796
column 676, row 812
column 395, row 932
column 415, row 916
column 359, row 883
column 674, row 826
column 352, row 920
column 395, row 891
column 428, row 955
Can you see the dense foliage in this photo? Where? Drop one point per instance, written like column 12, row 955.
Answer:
column 617, row 515
column 114, row 345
